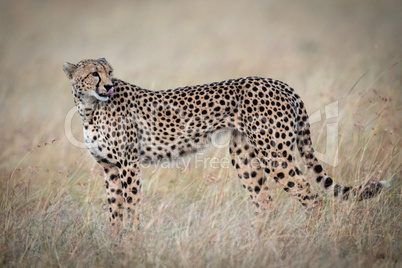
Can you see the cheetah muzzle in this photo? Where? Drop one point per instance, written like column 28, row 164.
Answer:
column 108, row 93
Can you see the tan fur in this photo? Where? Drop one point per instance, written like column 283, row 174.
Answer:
column 125, row 125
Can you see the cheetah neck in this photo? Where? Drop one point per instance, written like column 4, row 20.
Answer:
column 86, row 106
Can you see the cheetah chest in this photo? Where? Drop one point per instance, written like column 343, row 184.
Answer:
column 92, row 143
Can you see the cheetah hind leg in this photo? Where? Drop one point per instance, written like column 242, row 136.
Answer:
column 287, row 174
column 251, row 175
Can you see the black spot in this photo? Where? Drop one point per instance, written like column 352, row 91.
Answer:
column 337, row 189
column 319, row 178
column 291, row 184
column 346, row 189
column 346, row 193
column 281, row 175
column 328, row 182
column 318, row 169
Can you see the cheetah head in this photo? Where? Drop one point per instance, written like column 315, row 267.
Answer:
column 90, row 78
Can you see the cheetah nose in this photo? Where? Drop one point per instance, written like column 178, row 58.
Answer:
column 109, row 89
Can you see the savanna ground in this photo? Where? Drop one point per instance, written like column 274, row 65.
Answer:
column 52, row 197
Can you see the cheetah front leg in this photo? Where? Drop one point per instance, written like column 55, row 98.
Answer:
column 114, row 197
column 131, row 185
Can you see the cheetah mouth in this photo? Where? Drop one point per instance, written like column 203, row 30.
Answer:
column 107, row 94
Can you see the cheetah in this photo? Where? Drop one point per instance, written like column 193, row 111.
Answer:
column 125, row 125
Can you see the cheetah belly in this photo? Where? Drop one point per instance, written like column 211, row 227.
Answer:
column 182, row 145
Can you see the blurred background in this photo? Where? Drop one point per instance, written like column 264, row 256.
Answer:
column 320, row 48
column 52, row 194
column 328, row 51
column 345, row 51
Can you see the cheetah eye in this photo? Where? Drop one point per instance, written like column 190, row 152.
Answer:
column 95, row 74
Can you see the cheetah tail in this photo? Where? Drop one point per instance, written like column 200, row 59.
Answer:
column 370, row 189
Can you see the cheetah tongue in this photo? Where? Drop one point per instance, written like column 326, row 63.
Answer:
column 110, row 92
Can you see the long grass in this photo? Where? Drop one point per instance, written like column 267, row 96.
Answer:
column 52, row 197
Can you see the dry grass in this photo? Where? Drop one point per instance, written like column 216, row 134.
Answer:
column 52, row 210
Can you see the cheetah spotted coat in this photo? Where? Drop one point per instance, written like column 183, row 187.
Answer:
column 125, row 125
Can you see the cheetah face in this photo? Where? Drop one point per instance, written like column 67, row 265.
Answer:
column 90, row 78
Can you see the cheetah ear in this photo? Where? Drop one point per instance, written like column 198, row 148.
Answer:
column 69, row 69
column 102, row 59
